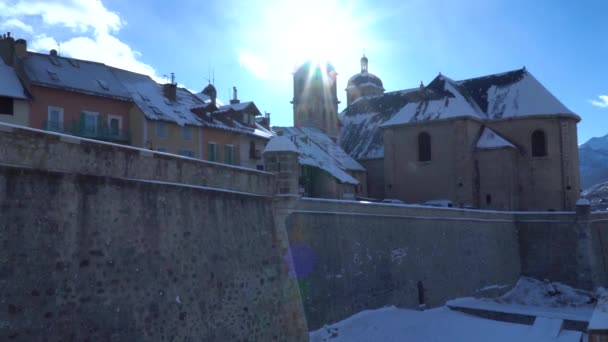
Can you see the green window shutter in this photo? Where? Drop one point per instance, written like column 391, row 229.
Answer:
column 216, row 153
column 226, row 154
column 81, row 123
column 210, row 151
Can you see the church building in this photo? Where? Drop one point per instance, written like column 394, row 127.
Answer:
column 500, row 141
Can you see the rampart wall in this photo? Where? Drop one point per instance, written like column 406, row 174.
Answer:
column 95, row 245
column 106, row 242
column 351, row 256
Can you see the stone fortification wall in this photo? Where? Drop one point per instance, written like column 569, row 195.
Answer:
column 43, row 150
column 351, row 256
column 88, row 257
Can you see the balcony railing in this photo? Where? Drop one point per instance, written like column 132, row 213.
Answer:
column 98, row 132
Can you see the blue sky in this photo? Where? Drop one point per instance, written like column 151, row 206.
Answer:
column 255, row 45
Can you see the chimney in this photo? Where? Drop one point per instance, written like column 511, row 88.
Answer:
column 53, row 53
column 170, row 91
column 235, row 98
column 6, row 48
column 265, row 122
column 20, row 47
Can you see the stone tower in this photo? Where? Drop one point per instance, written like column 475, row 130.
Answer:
column 363, row 84
column 315, row 98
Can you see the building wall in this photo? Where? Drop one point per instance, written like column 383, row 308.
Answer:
column 496, row 170
column 361, row 176
column 73, row 105
column 222, row 138
column 551, row 182
column 174, row 141
column 374, row 177
column 245, row 158
column 449, row 173
column 351, row 257
column 542, row 183
column 21, row 114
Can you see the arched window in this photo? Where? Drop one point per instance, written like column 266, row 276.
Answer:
column 424, row 147
column 539, row 144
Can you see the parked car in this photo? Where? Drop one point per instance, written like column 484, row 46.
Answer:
column 392, row 200
column 439, row 203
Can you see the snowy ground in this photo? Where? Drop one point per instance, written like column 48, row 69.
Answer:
column 443, row 324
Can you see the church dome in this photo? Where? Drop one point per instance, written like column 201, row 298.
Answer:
column 364, row 79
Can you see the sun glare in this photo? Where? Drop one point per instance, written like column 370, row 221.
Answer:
column 286, row 34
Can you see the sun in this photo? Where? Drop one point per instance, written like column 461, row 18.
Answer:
column 316, row 30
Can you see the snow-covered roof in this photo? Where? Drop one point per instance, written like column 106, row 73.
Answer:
column 74, row 75
column 491, row 140
column 149, row 97
column 230, row 118
column 445, row 99
column 511, row 94
column 280, row 144
column 316, row 149
column 10, row 85
column 248, row 106
column 360, row 136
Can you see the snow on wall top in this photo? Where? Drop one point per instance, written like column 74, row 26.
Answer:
column 490, row 140
column 511, row 94
column 73, row 74
column 314, row 149
column 10, row 85
column 149, row 97
column 280, row 144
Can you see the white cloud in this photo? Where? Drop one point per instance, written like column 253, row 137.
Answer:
column 602, row 102
column 18, row 24
column 92, row 26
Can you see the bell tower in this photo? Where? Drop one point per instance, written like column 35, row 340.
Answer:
column 315, row 98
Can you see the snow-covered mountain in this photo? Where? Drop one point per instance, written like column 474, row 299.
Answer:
column 598, row 196
column 593, row 157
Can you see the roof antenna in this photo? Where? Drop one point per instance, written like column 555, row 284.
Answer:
column 213, row 76
column 58, row 49
column 209, row 70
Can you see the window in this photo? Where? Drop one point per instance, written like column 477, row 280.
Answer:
column 424, row 147
column 114, row 124
column 55, row 119
column 229, row 154
column 252, row 150
column 186, row 133
column 88, row 121
column 186, row 153
column 161, row 129
column 260, row 167
column 539, row 144
column 488, row 199
column 6, row 106
column 213, row 151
